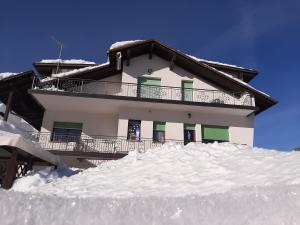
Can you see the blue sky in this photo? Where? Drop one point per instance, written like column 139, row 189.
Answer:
column 263, row 35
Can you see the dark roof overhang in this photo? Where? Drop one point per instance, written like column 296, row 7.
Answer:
column 23, row 104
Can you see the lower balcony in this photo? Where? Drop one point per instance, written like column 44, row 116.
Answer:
column 84, row 144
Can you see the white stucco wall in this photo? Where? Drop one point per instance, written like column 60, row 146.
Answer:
column 241, row 128
column 93, row 124
column 139, row 67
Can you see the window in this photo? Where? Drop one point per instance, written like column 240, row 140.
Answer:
column 148, row 87
column 159, row 131
column 134, row 130
column 189, row 133
column 187, row 90
column 212, row 133
column 66, row 132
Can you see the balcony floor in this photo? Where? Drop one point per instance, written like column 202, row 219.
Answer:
column 95, row 103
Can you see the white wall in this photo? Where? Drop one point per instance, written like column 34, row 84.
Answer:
column 240, row 127
column 139, row 67
column 93, row 124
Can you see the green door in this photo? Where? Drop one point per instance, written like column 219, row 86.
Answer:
column 148, row 87
column 212, row 133
column 187, row 90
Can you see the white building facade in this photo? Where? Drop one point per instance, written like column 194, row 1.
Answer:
column 150, row 92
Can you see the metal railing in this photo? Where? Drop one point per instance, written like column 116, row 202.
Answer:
column 96, row 143
column 143, row 91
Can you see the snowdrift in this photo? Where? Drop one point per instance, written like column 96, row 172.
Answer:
column 194, row 184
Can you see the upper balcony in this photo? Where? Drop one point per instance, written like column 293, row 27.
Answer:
column 144, row 93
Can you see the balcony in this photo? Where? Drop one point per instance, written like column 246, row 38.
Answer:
column 138, row 92
column 85, row 144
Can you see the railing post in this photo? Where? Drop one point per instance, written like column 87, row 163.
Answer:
column 81, row 86
column 57, row 83
column 233, row 94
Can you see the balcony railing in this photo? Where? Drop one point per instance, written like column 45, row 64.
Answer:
column 144, row 91
column 95, row 143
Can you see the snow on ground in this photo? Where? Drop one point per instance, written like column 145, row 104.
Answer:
column 245, row 206
column 195, row 184
column 67, row 61
column 173, row 170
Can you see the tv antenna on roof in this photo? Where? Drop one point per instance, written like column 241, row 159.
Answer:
column 60, row 51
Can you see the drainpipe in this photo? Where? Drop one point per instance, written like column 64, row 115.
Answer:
column 119, row 60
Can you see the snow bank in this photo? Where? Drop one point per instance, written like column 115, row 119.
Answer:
column 122, row 43
column 196, row 184
column 173, row 170
column 245, row 206
column 67, row 61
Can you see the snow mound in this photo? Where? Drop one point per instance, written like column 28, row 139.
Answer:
column 208, row 184
column 246, row 206
column 122, row 43
column 176, row 171
column 67, row 61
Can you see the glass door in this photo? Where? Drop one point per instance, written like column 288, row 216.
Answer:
column 187, row 90
column 189, row 133
column 149, row 87
column 134, row 130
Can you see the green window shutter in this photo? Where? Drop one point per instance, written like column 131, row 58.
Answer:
column 160, row 126
column 188, row 126
column 218, row 133
column 68, row 125
column 187, row 84
column 149, row 87
column 187, row 91
column 149, row 81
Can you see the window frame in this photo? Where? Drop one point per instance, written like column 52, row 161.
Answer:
column 140, row 134
column 155, row 130
column 65, row 138
column 205, row 140
column 185, row 91
column 185, row 127
column 148, row 94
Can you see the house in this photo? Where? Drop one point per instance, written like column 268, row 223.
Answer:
column 146, row 94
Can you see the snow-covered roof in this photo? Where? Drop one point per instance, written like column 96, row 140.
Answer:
column 216, row 63
column 67, row 61
column 75, row 71
column 122, row 43
column 11, row 136
column 238, row 80
column 6, row 74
